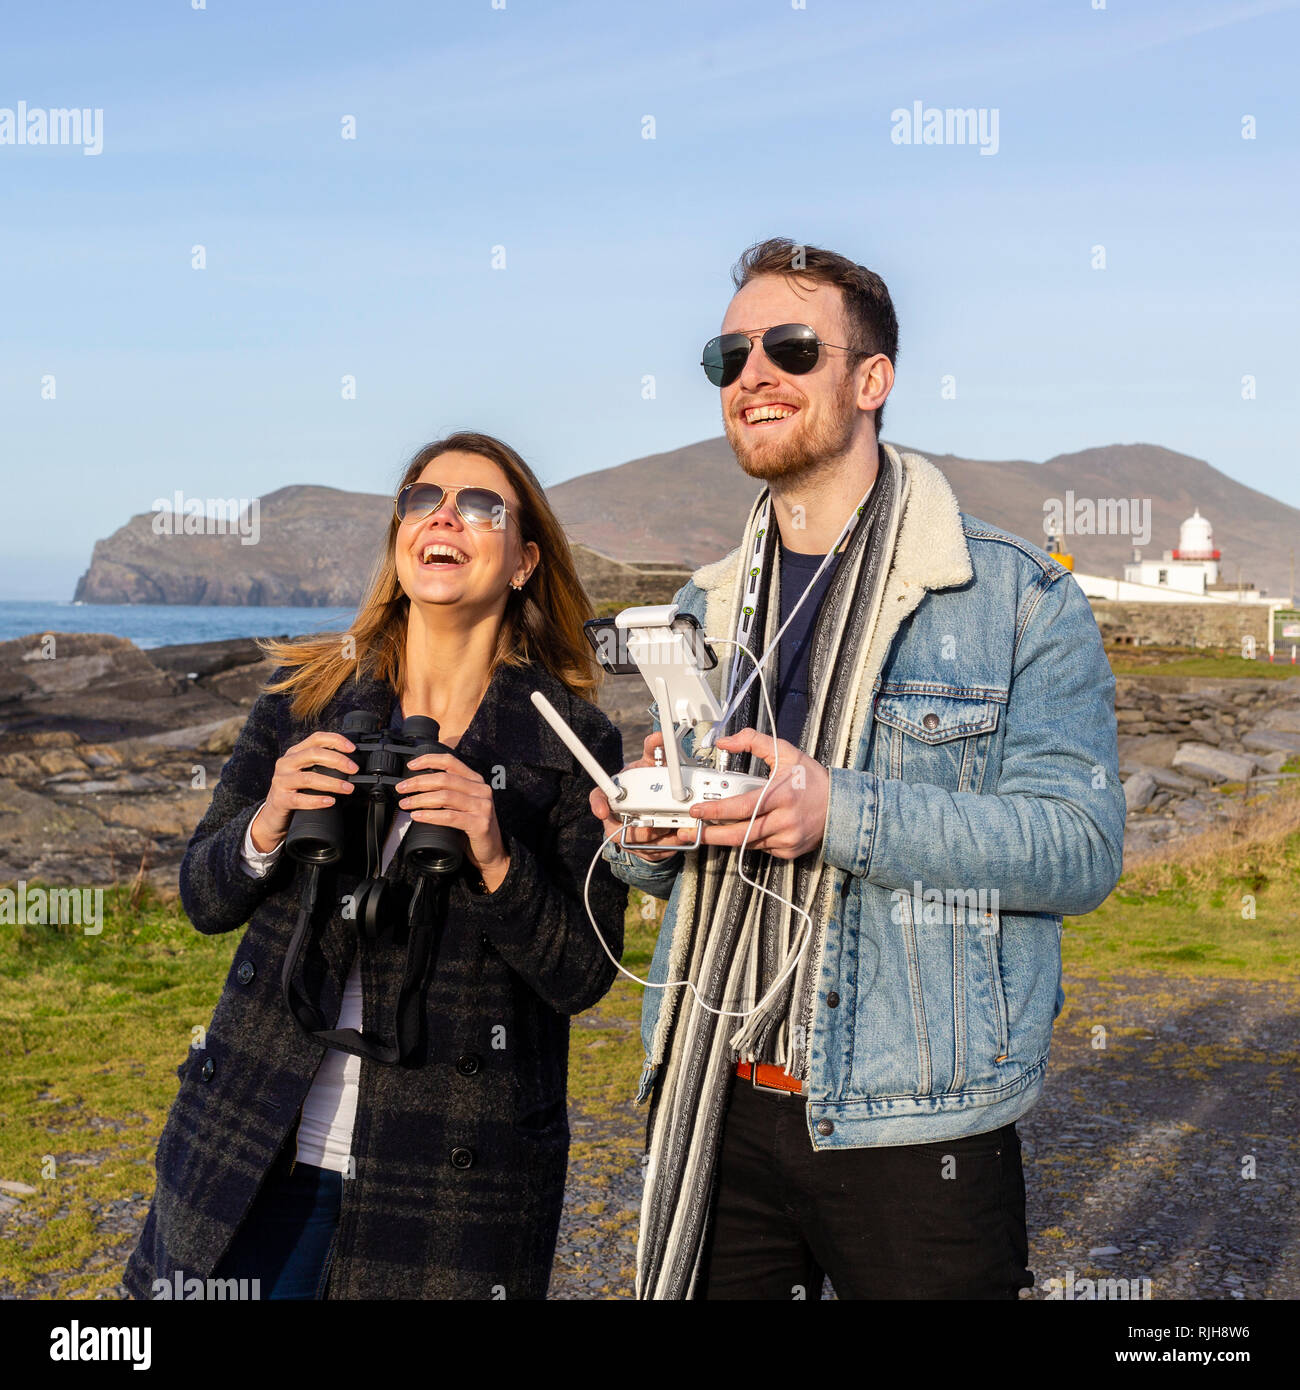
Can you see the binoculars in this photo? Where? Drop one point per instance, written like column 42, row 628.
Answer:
column 316, row 835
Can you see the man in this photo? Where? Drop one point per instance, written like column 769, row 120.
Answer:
column 837, row 1092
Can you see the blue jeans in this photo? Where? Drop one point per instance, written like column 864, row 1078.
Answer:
column 285, row 1239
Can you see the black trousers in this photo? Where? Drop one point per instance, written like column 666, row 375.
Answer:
column 916, row 1221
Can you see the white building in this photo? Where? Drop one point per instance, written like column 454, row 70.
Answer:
column 1191, row 569
column 1189, row 574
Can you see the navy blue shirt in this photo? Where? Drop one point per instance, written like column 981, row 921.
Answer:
column 791, row 695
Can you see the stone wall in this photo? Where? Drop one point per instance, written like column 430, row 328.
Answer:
column 1210, row 625
column 1193, row 752
column 611, row 584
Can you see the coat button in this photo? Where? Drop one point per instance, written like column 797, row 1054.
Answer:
column 208, row 1067
column 468, row 1064
column 825, row 1127
column 462, row 1158
column 931, row 721
column 832, row 1000
column 246, row 971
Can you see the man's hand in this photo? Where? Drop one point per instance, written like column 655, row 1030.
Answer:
column 793, row 814
column 641, row 834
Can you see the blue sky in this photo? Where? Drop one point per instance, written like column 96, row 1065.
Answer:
column 521, row 127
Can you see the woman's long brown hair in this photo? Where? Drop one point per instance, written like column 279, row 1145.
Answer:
column 542, row 623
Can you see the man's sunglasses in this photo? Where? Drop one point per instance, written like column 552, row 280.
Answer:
column 793, row 347
column 478, row 507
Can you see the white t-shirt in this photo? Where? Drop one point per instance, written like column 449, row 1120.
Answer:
column 330, row 1110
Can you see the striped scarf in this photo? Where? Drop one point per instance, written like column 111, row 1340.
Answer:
column 739, row 939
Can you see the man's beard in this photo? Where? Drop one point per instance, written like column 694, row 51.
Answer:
column 805, row 449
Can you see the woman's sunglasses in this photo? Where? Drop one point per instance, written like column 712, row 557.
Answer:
column 478, row 507
column 793, row 347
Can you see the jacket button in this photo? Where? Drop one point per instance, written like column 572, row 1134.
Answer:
column 462, row 1158
column 208, row 1067
column 468, row 1064
column 246, row 971
column 931, row 721
column 825, row 1127
column 832, row 1000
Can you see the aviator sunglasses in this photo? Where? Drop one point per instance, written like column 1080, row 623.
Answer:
column 478, row 507
column 793, row 347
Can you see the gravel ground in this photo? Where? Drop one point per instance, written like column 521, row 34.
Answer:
column 1138, row 1152
column 1136, row 1156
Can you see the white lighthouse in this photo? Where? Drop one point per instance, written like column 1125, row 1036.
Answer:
column 1196, row 545
column 1191, row 569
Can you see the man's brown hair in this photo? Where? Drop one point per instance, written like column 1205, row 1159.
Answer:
column 873, row 325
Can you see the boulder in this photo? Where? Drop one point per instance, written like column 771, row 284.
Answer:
column 222, row 739
column 1164, row 777
column 1271, row 741
column 1287, row 719
column 1138, row 790
column 60, row 760
column 93, row 686
column 35, row 829
column 1212, row 764
column 242, row 685
column 19, row 765
column 191, row 660
column 1155, row 750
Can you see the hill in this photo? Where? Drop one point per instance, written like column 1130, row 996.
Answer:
column 681, row 509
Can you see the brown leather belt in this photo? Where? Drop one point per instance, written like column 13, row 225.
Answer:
column 766, row 1077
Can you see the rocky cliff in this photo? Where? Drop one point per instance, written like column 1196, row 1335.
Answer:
column 682, row 509
column 311, row 547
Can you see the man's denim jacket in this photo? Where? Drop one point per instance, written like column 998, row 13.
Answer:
column 986, row 765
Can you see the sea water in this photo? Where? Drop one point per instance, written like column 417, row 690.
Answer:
column 162, row 624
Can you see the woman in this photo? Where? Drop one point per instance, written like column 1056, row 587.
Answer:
column 322, row 1172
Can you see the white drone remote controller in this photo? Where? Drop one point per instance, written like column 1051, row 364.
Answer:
column 666, row 648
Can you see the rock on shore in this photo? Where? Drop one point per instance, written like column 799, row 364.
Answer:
column 110, row 754
column 1191, row 750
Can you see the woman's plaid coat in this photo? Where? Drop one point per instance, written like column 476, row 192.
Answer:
column 460, row 1156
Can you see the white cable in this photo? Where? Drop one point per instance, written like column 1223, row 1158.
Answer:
column 734, row 702
column 806, row 930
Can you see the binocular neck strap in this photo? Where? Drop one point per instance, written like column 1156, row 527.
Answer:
column 424, row 919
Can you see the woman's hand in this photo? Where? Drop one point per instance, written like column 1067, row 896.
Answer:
column 451, row 794
column 642, row 834
column 294, row 788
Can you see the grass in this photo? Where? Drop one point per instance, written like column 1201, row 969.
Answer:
column 1220, row 904
column 1175, row 661
column 92, row 1028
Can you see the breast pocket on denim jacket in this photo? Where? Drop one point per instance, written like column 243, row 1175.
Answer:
column 935, row 734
